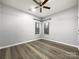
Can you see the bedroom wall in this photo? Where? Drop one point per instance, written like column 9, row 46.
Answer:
column 63, row 27
column 0, row 14
column 16, row 26
column 78, row 22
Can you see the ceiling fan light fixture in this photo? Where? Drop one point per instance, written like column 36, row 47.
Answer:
column 33, row 9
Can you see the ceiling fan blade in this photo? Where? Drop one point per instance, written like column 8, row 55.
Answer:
column 36, row 2
column 37, row 7
column 37, row 19
column 46, row 7
column 40, row 10
column 44, row 2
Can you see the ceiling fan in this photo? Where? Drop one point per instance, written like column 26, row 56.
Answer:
column 41, row 5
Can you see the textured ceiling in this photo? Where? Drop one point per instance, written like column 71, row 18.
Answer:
column 56, row 6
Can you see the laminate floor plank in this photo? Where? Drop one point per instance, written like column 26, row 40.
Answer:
column 48, row 50
column 15, row 54
column 8, row 53
column 43, row 51
column 22, row 52
column 61, row 46
column 36, row 50
column 42, row 56
column 31, row 52
column 2, row 53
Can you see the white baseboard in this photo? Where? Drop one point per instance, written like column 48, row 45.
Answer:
column 35, row 40
column 17, row 44
column 65, row 43
column 62, row 43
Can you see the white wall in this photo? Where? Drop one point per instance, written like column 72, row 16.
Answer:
column 78, row 21
column 63, row 27
column 16, row 27
column 0, row 21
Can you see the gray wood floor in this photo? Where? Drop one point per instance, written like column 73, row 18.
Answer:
column 36, row 50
